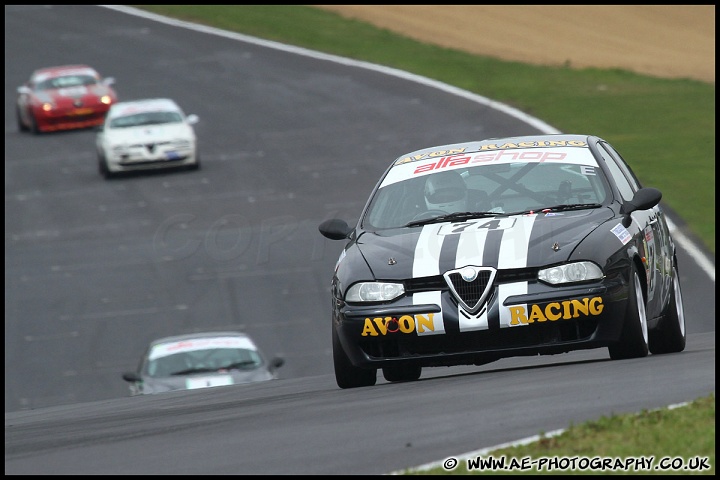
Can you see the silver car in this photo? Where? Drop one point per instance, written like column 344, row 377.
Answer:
column 201, row 360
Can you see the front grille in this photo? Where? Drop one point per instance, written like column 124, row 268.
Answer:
column 437, row 282
column 424, row 284
column 470, row 292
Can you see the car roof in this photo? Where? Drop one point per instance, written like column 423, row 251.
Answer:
column 499, row 143
column 166, row 346
column 62, row 70
column 198, row 335
column 143, row 105
column 567, row 148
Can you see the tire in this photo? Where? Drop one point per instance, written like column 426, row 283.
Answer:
column 103, row 168
column 633, row 341
column 21, row 126
column 196, row 165
column 402, row 373
column 348, row 375
column 33, row 125
column 669, row 336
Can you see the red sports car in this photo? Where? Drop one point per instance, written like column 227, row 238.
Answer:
column 64, row 98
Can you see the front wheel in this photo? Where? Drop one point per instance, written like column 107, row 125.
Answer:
column 33, row 125
column 348, row 375
column 196, row 165
column 21, row 126
column 103, row 167
column 633, row 341
column 669, row 335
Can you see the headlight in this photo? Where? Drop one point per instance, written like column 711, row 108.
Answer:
column 181, row 143
column 106, row 99
column 374, row 292
column 119, row 149
column 570, row 273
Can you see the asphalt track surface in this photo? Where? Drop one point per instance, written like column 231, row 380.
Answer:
column 95, row 269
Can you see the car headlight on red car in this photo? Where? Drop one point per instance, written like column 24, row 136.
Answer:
column 106, row 99
column 570, row 273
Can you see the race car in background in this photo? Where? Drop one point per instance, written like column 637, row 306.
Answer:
column 471, row 252
column 146, row 134
column 64, row 98
column 201, row 360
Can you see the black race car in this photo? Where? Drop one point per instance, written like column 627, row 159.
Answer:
column 471, row 252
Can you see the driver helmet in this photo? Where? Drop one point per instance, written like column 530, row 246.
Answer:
column 446, row 191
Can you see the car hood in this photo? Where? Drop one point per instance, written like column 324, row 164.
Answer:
column 60, row 95
column 500, row 242
column 155, row 133
column 204, row 380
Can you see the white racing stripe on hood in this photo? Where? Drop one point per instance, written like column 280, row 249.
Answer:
column 513, row 254
column 426, row 263
column 471, row 247
column 514, row 247
column 470, row 252
column 427, row 251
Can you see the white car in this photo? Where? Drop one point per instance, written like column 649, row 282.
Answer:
column 146, row 135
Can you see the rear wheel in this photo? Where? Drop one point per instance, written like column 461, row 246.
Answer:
column 348, row 375
column 633, row 341
column 669, row 335
column 402, row 373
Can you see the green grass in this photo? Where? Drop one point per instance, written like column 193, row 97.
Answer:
column 640, row 436
column 664, row 128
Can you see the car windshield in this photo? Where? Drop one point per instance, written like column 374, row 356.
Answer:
column 146, row 118
column 485, row 190
column 66, row 81
column 209, row 360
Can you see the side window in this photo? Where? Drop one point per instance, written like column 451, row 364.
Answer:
column 624, row 167
column 627, row 190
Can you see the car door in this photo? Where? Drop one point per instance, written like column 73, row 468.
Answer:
column 655, row 238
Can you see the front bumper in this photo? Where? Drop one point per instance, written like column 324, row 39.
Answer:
column 141, row 159
column 550, row 320
column 74, row 119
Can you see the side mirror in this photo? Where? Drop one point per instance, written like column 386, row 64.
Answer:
column 24, row 90
column 644, row 199
column 335, row 229
column 131, row 377
column 192, row 119
column 276, row 363
column 109, row 81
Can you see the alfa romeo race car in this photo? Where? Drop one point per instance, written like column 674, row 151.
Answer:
column 146, row 134
column 201, row 360
column 471, row 252
column 64, row 98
